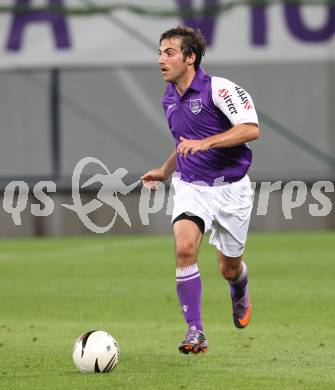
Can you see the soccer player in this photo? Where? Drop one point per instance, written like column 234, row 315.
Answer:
column 211, row 120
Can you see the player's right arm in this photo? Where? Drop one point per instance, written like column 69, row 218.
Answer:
column 160, row 174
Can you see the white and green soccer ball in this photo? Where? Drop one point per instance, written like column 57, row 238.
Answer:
column 96, row 351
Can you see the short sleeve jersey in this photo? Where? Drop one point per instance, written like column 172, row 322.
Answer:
column 209, row 106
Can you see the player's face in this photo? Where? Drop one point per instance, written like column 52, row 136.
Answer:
column 171, row 60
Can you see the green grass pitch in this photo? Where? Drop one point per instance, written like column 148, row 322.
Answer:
column 52, row 290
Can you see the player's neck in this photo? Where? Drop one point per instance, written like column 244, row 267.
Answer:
column 185, row 80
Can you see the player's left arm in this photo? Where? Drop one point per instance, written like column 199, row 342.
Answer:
column 237, row 135
column 238, row 106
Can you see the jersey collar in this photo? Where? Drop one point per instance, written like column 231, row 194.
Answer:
column 197, row 82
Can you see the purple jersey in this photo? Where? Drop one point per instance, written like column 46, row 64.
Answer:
column 209, row 106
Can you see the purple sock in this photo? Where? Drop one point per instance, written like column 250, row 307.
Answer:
column 189, row 293
column 238, row 287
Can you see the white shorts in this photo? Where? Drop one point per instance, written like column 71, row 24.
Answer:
column 225, row 210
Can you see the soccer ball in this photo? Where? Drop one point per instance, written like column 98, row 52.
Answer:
column 96, row 351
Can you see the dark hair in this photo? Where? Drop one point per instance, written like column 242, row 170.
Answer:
column 192, row 41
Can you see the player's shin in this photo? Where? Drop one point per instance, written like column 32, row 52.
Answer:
column 239, row 285
column 189, row 293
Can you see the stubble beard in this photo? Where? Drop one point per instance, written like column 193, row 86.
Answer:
column 178, row 77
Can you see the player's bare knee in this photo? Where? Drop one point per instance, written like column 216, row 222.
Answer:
column 229, row 273
column 229, row 267
column 186, row 254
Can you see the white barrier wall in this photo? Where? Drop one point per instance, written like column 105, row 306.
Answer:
column 243, row 33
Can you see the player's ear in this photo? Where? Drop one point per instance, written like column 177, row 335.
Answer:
column 191, row 59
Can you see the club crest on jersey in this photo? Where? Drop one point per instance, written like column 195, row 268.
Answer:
column 195, row 105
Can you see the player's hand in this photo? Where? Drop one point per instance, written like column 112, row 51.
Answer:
column 152, row 178
column 187, row 146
